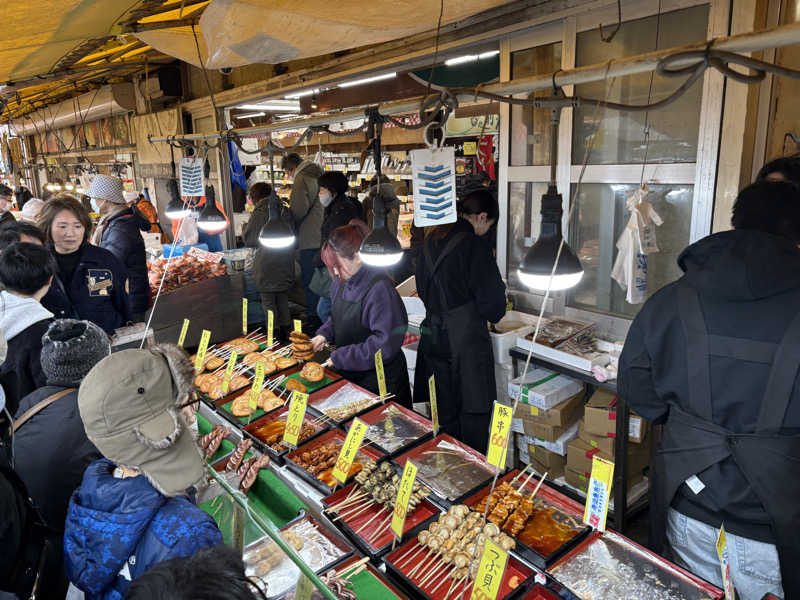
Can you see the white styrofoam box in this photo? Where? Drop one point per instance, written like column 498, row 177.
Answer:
column 513, row 325
column 517, row 426
column 543, row 388
column 503, row 374
column 559, row 446
column 571, row 360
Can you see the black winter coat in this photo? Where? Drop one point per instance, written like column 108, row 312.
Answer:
column 88, row 296
column 122, row 237
column 15, row 511
column 50, row 474
column 749, row 288
column 339, row 213
column 273, row 268
column 21, row 373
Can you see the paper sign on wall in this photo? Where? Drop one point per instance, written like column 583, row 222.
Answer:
column 191, row 176
column 434, row 173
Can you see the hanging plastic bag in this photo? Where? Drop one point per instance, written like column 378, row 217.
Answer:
column 188, row 234
column 637, row 241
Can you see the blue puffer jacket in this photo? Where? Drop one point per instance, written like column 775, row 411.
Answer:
column 117, row 523
column 121, row 235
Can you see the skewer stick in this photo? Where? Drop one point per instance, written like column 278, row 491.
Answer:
column 380, row 529
column 432, row 572
column 541, row 481
column 356, row 572
column 447, row 575
column 336, row 508
column 349, row 568
column 359, row 503
column 522, row 487
column 456, row 586
column 353, row 516
column 409, row 551
column 422, row 560
column 423, row 569
column 375, row 516
column 520, row 474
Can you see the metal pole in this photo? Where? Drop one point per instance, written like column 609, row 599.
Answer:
column 777, row 37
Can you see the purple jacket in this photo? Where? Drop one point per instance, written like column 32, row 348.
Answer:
column 384, row 315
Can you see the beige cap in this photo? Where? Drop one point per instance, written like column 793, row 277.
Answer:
column 129, row 406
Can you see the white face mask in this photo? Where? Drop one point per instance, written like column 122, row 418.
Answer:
column 96, row 206
column 325, row 198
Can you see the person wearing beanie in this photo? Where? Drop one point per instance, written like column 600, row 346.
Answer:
column 133, row 509
column 51, row 449
column 26, row 272
column 119, row 232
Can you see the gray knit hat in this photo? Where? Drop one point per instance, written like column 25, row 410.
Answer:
column 70, row 349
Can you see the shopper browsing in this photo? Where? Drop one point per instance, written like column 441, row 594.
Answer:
column 51, row 450
column 90, row 283
column 20, row 231
column 273, row 268
column 6, row 202
column 26, row 272
column 367, row 315
column 714, row 358
column 133, row 509
column 460, row 284
column 119, row 232
column 340, row 209
column 307, row 213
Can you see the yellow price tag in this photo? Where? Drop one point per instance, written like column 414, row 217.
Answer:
column 294, row 422
column 184, row 331
column 200, row 359
column 380, row 373
column 349, row 450
column 226, row 380
column 498, row 436
column 534, row 411
column 598, row 494
column 434, row 406
column 491, row 570
column 244, row 316
column 270, row 328
column 404, row 491
column 398, row 178
column 304, row 588
column 470, row 148
column 255, row 391
column 298, row 326
column 724, row 563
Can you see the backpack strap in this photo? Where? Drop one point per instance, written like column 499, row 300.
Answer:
column 39, row 407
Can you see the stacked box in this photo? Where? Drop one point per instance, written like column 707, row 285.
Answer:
column 600, row 418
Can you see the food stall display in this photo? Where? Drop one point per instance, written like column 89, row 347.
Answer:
column 182, row 271
column 308, row 378
column 342, row 401
column 365, row 508
column 269, row 429
column 394, row 429
column 453, row 470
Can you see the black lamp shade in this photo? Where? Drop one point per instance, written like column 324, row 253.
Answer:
column 380, row 248
column 211, row 220
column 176, row 208
column 276, row 233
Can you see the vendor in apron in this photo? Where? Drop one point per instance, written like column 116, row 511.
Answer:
column 715, row 357
column 367, row 315
column 460, row 284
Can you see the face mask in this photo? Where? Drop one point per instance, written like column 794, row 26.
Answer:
column 95, row 206
column 325, row 198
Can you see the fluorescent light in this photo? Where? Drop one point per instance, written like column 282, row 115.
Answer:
column 271, row 105
column 467, row 58
column 367, row 80
column 302, row 94
column 250, row 115
column 461, row 60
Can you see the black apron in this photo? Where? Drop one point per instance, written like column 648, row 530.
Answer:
column 348, row 330
column 769, row 461
column 455, row 346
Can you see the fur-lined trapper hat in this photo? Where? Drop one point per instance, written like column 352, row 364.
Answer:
column 129, row 403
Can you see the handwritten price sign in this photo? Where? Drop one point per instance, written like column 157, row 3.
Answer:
column 270, row 328
column 255, row 391
column 404, row 491
column 434, row 406
column 294, row 422
column 349, row 450
column 200, row 360
column 226, row 380
column 380, row 373
column 498, row 437
column 599, row 493
column 490, row 572
column 184, row 331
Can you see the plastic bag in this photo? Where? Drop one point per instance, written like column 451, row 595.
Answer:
column 637, row 241
column 188, row 234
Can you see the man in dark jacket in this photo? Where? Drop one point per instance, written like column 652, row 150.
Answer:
column 714, row 357
column 307, row 213
column 119, row 231
column 273, row 268
column 340, row 209
column 26, row 272
column 6, row 202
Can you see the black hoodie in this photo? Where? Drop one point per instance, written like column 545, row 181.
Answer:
column 749, row 288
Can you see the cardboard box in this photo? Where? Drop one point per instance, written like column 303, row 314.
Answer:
column 552, row 472
column 562, row 414
column 580, row 455
column 543, row 389
column 534, row 429
column 604, row 444
column 551, row 460
column 600, row 418
column 581, row 480
column 559, row 446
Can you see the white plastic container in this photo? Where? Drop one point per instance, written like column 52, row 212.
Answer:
column 513, row 325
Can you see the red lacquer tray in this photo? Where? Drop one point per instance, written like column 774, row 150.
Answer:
column 516, row 574
column 254, row 430
column 379, row 414
column 320, row 396
column 483, row 470
column 333, row 435
column 422, row 516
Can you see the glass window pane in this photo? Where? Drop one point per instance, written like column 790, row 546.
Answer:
column 524, row 204
column 530, row 128
column 673, row 129
column 601, row 217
